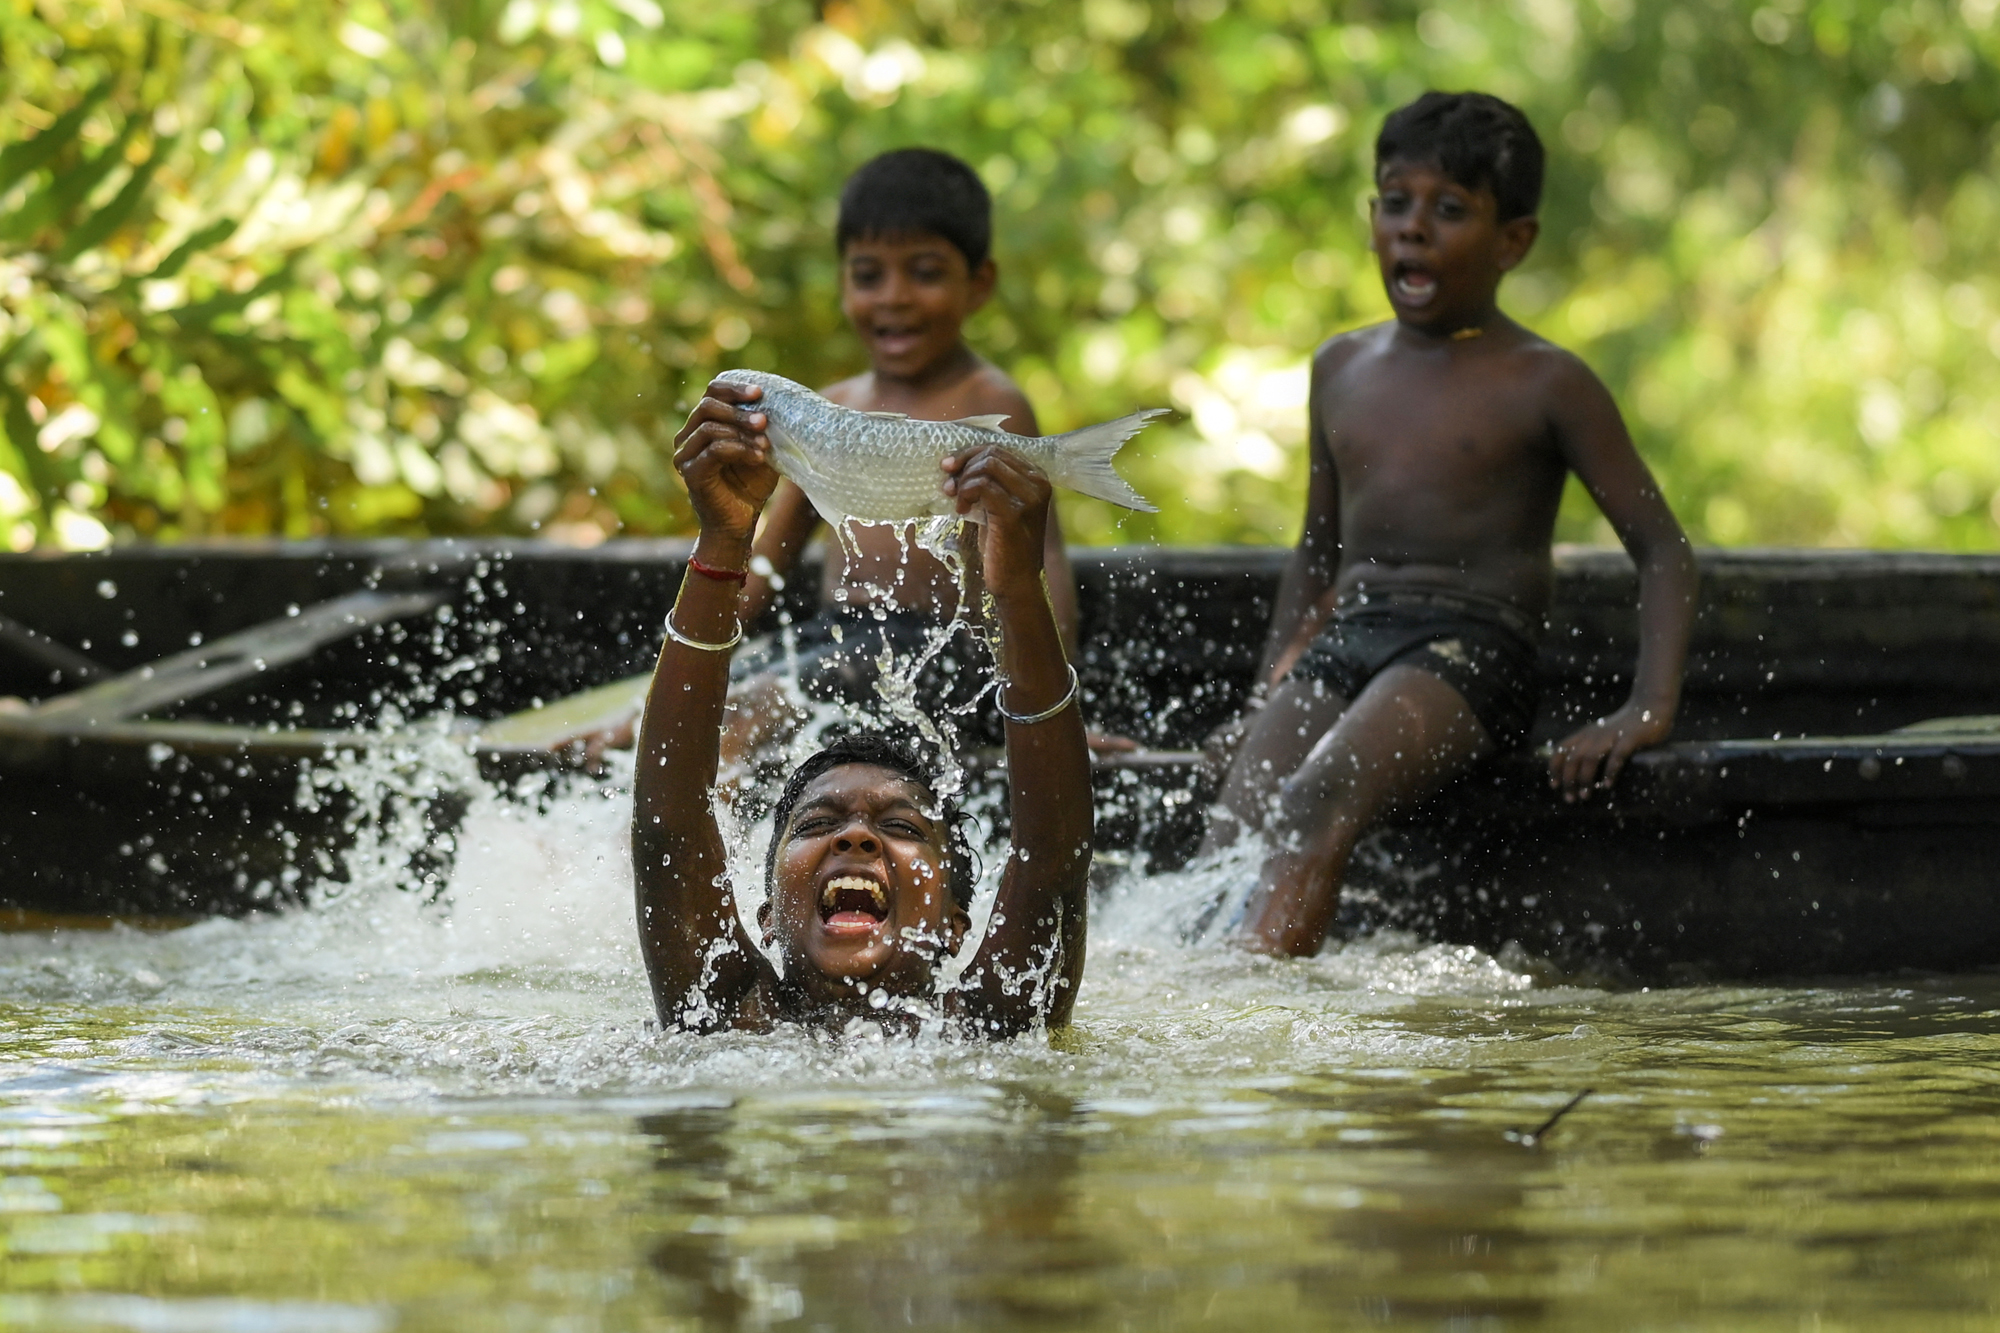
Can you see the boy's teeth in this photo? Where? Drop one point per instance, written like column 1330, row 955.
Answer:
column 835, row 887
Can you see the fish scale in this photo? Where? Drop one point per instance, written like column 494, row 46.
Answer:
column 882, row 467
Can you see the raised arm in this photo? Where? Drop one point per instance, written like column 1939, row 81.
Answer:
column 1315, row 560
column 702, row 964
column 1598, row 448
column 1031, row 961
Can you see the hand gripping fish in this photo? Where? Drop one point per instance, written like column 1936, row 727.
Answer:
column 882, row 467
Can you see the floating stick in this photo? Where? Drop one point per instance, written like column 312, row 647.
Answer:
column 1534, row 1137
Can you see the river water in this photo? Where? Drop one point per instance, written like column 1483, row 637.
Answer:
column 392, row 1113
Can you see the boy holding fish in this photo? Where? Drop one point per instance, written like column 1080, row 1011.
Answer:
column 914, row 237
column 1404, row 643
column 867, row 876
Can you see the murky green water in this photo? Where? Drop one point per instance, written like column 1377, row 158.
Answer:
column 380, row 1116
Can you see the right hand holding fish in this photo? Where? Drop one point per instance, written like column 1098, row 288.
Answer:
column 1011, row 498
column 724, row 458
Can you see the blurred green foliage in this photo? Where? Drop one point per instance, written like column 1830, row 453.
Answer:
column 392, row 267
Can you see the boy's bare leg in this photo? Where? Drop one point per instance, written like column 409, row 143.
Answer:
column 1275, row 741
column 1405, row 736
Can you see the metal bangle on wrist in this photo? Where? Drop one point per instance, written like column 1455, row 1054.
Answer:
column 684, row 640
column 1029, row 719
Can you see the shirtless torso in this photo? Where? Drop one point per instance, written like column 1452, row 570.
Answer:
column 1445, row 491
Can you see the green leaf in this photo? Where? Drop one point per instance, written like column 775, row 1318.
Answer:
column 99, row 226
column 28, row 155
column 202, row 311
column 213, row 234
column 319, row 408
column 21, row 434
column 66, row 189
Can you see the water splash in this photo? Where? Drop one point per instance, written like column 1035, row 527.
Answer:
column 479, row 939
column 520, row 974
column 897, row 675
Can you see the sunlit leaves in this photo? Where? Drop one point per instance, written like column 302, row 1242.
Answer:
column 398, row 266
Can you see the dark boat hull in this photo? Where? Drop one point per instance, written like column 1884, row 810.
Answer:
column 1844, row 844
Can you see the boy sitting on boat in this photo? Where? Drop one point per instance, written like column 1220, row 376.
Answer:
column 867, row 877
column 1404, row 643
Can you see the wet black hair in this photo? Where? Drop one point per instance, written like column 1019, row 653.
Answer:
column 914, row 192
column 1476, row 139
column 878, row 751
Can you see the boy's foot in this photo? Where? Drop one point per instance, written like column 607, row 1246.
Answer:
column 1292, row 909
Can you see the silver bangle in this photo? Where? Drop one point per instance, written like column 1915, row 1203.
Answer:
column 1028, row 720
column 722, row 647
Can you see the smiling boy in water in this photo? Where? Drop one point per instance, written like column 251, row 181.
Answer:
column 1404, row 642
column 867, row 875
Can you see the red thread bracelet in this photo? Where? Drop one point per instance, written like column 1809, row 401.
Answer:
column 719, row 575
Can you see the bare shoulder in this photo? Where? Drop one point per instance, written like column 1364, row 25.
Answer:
column 989, row 390
column 853, row 391
column 1551, row 370
column 1336, row 352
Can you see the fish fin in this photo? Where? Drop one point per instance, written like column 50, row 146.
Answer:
column 888, row 416
column 1082, row 460
column 994, row 422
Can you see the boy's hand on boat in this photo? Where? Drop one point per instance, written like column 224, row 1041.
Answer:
column 1592, row 757
column 1009, row 498
column 724, row 458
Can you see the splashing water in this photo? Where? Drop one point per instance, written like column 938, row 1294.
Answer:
column 516, row 968
column 897, row 675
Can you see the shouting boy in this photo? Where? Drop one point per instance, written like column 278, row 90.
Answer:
column 1404, row 643
column 867, row 876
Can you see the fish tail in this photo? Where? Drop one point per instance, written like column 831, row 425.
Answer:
column 1082, row 460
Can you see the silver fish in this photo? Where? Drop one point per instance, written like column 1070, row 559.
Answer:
column 882, row 467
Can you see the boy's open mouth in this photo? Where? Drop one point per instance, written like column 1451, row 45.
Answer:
column 898, row 336
column 1416, row 286
column 852, row 902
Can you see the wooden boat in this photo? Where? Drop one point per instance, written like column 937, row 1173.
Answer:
column 1831, row 802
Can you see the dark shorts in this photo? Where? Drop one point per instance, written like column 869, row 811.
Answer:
column 839, row 656
column 1484, row 650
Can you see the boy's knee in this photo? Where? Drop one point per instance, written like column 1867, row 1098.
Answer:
column 1322, row 795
